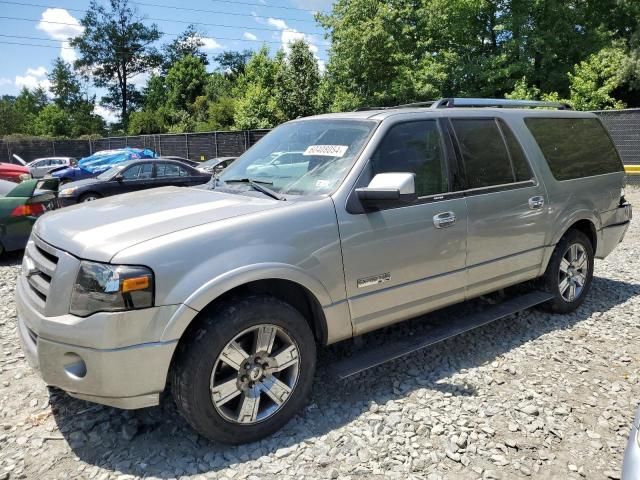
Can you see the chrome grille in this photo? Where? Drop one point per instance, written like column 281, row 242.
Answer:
column 39, row 266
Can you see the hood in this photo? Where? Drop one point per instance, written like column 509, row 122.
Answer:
column 12, row 167
column 98, row 230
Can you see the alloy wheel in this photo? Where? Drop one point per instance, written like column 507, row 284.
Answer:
column 255, row 374
column 572, row 276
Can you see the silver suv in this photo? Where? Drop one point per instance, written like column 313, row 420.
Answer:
column 224, row 291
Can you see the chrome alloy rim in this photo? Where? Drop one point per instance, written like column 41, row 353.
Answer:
column 572, row 277
column 255, row 374
column 90, row 198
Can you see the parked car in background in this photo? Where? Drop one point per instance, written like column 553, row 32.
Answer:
column 631, row 465
column 20, row 207
column 215, row 165
column 14, row 173
column 99, row 162
column 41, row 166
column 132, row 176
column 225, row 292
column 192, row 163
column 281, row 165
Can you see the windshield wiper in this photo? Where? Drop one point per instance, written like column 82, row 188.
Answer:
column 257, row 185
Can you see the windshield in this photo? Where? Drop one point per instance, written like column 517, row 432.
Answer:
column 309, row 157
column 112, row 172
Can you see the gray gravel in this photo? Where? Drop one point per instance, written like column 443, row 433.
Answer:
column 532, row 396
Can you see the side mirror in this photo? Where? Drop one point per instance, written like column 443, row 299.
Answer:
column 388, row 188
column 119, row 177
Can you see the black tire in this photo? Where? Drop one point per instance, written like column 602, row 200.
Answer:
column 552, row 276
column 93, row 195
column 198, row 353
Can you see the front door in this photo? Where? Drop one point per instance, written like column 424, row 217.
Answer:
column 405, row 260
column 507, row 207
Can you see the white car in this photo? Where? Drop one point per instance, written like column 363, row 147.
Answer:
column 284, row 165
column 39, row 167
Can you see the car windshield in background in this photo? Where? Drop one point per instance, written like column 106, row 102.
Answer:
column 308, row 157
column 112, row 172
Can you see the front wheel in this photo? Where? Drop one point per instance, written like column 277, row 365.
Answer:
column 244, row 370
column 569, row 273
column 90, row 197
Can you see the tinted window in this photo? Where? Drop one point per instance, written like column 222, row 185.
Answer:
column 575, row 147
column 485, row 156
column 414, row 147
column 519, row 161
column 170, row 170
column 138, row 172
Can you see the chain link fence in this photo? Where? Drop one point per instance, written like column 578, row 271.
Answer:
column 195, row 146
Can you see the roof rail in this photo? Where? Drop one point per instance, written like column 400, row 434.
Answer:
column 497, row 102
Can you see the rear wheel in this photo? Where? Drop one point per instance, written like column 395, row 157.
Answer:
column 570, row 272
column 245, row 370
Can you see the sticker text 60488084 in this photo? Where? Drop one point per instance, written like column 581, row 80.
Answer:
column 326, row 150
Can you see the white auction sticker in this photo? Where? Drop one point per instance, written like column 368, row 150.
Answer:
column 326, row 150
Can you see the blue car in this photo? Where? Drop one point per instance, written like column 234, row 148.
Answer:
column 99, row 162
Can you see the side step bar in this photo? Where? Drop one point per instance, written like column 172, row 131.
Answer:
column 454, row 326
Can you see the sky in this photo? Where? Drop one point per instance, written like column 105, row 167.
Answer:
column 225, row 24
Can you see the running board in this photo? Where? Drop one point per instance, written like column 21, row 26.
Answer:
column 455, row 326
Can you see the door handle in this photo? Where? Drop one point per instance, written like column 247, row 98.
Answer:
column 444, row 219
column 536, row 203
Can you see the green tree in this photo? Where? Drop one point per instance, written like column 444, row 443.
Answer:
column 155, row 93
column 232, row 64
column 256, row 105
column 53, row 121
column 596, row 78
column 145, row 122
column 115, row 47
column 65, row 85
column 297, row 82
column 187, row 43
column 185, row 82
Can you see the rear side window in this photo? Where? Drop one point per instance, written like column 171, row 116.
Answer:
column 521, row 167
column 414, row 147
column 485, row 155
column 575, row 147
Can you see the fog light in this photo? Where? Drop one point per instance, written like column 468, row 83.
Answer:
column 74, row 366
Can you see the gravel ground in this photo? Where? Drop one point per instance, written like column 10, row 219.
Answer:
column 533, row 395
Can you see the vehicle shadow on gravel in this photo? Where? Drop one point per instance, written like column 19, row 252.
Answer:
column 158, row 442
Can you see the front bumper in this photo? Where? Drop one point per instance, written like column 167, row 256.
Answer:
column 71, row 353
column 67, row 201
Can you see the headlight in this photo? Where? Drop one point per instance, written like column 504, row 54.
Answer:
column 24, row 177
column 67, row 192
column 101, row 287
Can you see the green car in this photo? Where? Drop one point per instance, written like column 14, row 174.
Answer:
column 20, row 206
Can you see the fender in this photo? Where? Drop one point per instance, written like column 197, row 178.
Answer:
column 221, row 284
column 565, row 223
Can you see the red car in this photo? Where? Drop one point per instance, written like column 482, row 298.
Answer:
column 13, row 173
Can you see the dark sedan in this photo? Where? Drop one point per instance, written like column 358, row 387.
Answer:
column 132, row 176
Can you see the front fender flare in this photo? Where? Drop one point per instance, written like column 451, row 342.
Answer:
column 221, row 284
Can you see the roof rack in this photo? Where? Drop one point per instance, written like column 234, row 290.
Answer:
column 403, row 105
column 497, row 102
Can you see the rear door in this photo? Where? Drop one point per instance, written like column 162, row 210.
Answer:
column 171, row 174
column 406, row 259
column 507, row 206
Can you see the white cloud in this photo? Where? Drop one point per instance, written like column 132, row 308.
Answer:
column 63, row 26
column 5, row 81
column 139, row 80
column 109, row 115
column 33, row 78
column 289, row 35
column 249, row 36
column 37, row 72
column 67, row 53
column 66, row 26
column 277, row 23
column 209, row 43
